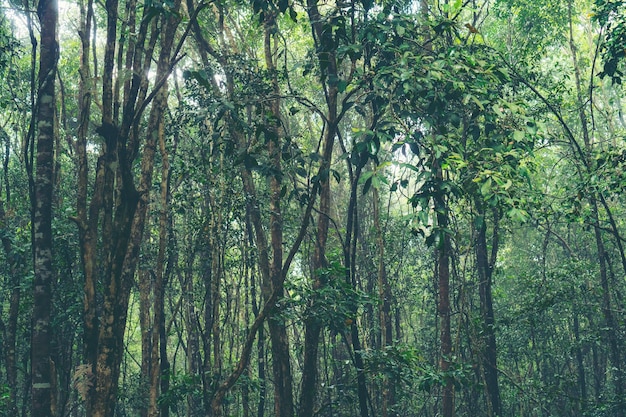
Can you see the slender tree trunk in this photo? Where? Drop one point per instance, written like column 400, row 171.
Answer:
column 261, row 372
column 350, row 244
column 145, row 323
column 281, row 354
column 10, row 331
column 215, row 293
column 384, row 293
column 445, row 339
column 443, row 286
column 313, row 328
column 41, row 362
column 261, row 355
column 580, row 363
column 161, row 366
column 194, row 366
column 485, row 271
column 611, row 323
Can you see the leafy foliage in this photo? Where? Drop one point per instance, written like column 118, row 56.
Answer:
column 610, row 16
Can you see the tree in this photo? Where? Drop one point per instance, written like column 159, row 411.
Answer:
column 42, row 369
column 112, row 221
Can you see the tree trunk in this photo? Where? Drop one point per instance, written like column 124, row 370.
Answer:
column 612, row 325
column 443, row 305
column 612, row 331
column 350, row 245
column 445, row 339
column 281, row 354
column 261, row 354
column 485, row 271
column 145, row 323
column 313, row 328
column 161, row 365
column 194, row 366
column 113, row 227
column 41, row 363
column 384, row 293
column 9, row 333
column 580, row 363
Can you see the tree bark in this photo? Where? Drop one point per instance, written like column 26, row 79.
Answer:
column 350, row 245
column 112, row 226
column 145, row 323
column 41, row 362
column 384, row 293
column 161, row 367
column 443, row 306
column 323, row 41
column 485, row 266
column 281, row 354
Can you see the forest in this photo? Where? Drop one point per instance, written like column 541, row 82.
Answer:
column 312, row 208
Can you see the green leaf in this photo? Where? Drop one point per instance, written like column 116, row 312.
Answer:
column 367, row 185
column 485, row 189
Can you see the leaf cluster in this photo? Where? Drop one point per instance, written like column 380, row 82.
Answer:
column 610, row 14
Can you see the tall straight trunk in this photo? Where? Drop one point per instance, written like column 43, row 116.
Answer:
column 350, row 245
column 580, row 363
column 156, row 129
column 445, row 339
column 485, row 265
column 261, row 372
column 443, row 300
column 609, row 319
column 145, row 324
column 41, row 337
column 194, row 365
column 313, row 328
column 161, row 367
column 212, row 308
column 281, row 354
column 86, row 235
column 384, row 293
column 261, row 355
